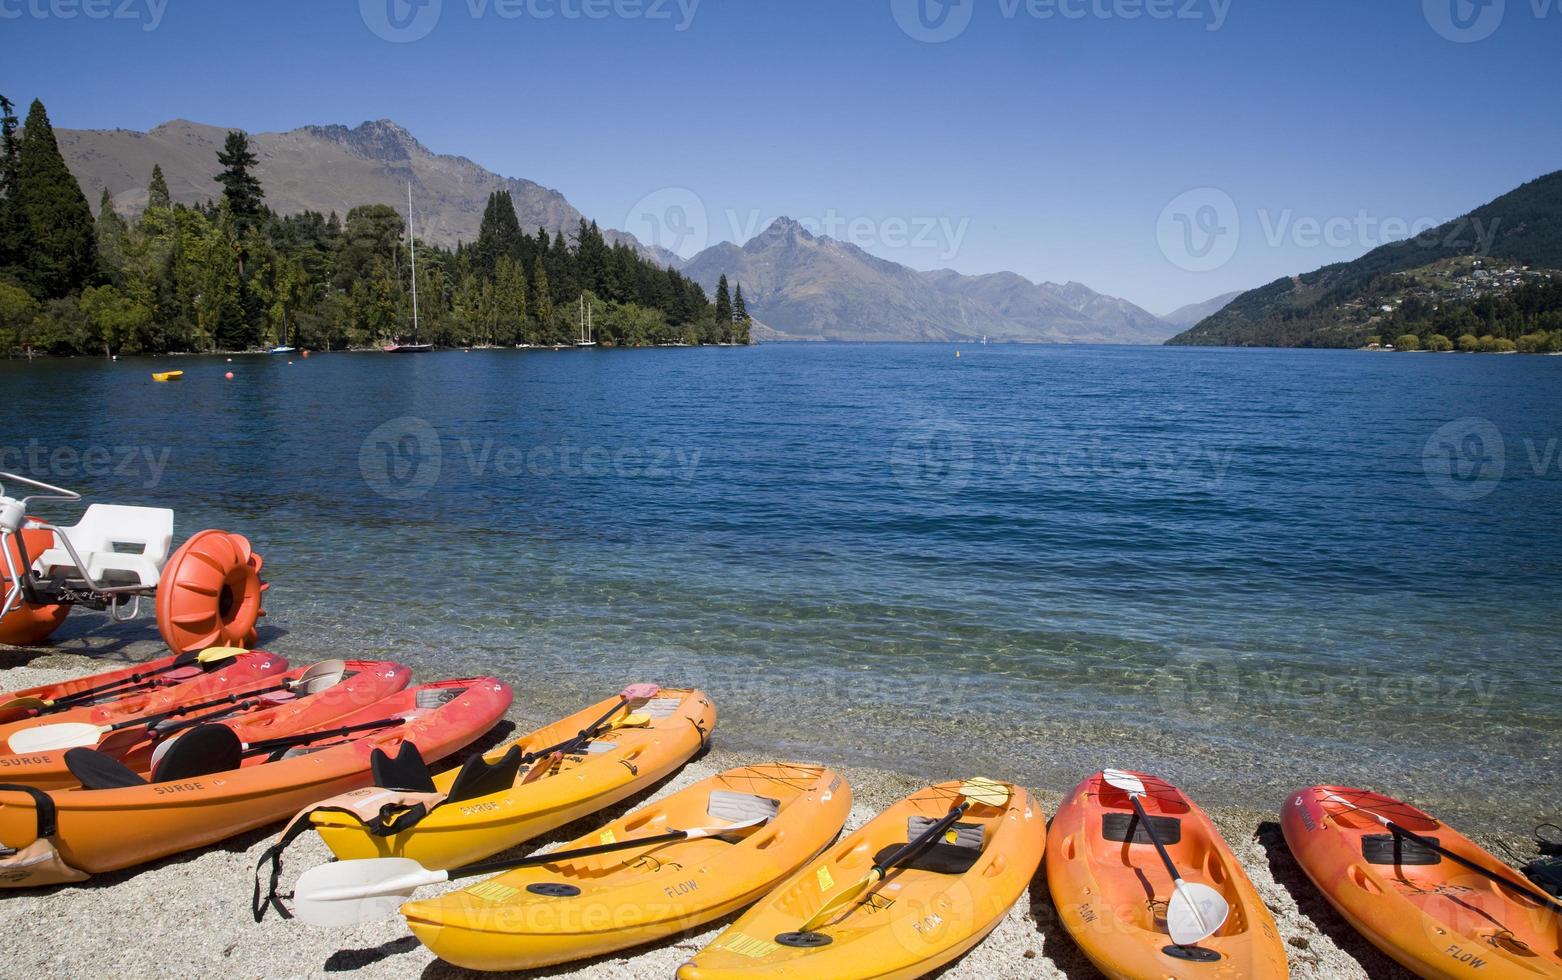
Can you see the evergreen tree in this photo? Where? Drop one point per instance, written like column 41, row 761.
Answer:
column 739, row 308
column 723, row 303
column 157, row 195
column 59, row 253
column 10, row 218
column 499, row 235
column 240, row 188
column 542, row 296
column 110, row 231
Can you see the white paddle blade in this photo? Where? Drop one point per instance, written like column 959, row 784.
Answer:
column 322, row 676
column 1195, row 913
column 348, row 893
column 985, row 791
column 52, row 738
column 1125, row 781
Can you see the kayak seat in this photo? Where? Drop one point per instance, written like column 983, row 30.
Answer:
column 1126, row 828
column 741, row 807
column 202, row 751
column 1392, row 849
column 407, row 772
column 938, row 859
column 94, row 770
column 479, row 777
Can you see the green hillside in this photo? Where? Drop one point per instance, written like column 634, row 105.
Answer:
column 1338, row 305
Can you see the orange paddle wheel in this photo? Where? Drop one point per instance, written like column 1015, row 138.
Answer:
column 210, row 593
column 29, row 624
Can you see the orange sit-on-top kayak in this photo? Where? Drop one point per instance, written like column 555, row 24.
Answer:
column 244, row 671
column 297, row 707
column 1111, row 887
column 1421, row 901
column 130, row 821
column 97, row 688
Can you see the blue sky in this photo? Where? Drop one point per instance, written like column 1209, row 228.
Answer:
column 1056, row 138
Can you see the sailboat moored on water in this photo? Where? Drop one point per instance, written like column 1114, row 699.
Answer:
column 412, row 242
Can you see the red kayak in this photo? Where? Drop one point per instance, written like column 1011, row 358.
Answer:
column 108, row 686
column 132, row 820
column 247, row 671
column 363, row 684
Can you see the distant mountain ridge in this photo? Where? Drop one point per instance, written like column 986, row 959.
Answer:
column 808, row 287
column 798, row 286
column 1186, row 316
column 320, row 168
column 1326, row 307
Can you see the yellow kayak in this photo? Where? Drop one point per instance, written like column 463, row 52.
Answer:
column 555, row 913
column 481, row 819
column 921, row 916
column 167, row 375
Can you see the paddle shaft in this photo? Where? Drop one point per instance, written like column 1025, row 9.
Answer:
column 70, row 700
column 1155, row 838
column 923, row 842
column 292, row 741
column 491, row 867
column 234, row 698
column 1534, row 896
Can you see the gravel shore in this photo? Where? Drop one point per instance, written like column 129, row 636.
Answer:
column 190, row 916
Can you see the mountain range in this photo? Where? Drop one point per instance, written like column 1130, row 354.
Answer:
column 798, row 286
column 1341, row 304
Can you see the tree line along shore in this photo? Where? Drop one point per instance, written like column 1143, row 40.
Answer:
column 233, row 275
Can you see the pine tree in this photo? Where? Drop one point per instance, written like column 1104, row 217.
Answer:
column 59, row 251
column 739, row 308
column 240, row 188
column 542, row 296
column 157, row 190
column 723, row 303
column 110, row 231
column 10, row 217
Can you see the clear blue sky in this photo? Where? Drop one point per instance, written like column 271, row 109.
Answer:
column 1056, row 142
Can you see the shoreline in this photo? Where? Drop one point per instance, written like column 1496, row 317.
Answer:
column 208, row 892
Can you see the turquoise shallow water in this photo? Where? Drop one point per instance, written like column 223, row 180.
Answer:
column 1245, row 570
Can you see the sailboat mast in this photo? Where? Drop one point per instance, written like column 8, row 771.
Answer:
column 413, row 243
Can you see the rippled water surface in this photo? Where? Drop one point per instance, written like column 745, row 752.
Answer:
column 1244, row 570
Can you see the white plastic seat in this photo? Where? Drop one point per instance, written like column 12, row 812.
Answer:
column 120, row 545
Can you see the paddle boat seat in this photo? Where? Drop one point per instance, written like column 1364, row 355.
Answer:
column 120, row 545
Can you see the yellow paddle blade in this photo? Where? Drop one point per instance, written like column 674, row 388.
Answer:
column 985, row 791
column 632, row 721
column 840, row 901
column 212, row 655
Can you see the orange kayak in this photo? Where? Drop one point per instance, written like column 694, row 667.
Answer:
column 107, row 829
column 1434, row 916
column 363, row 684
column 1111, row 888
column 922, row 916
column 244, row 672
column 584, row 907
column 113, row 684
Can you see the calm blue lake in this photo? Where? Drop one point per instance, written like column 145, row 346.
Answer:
column 1244, row 570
